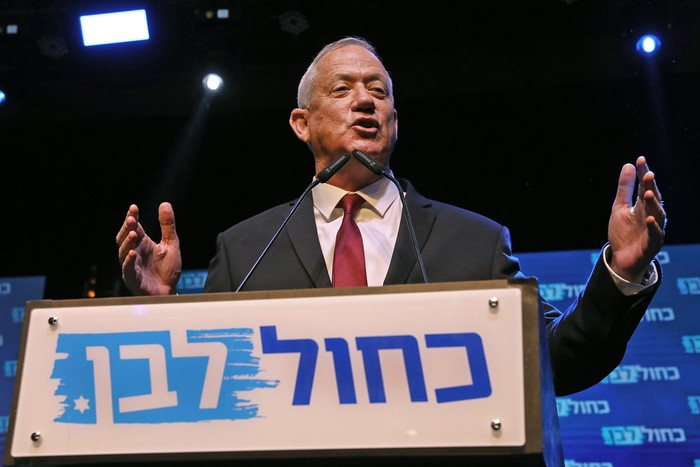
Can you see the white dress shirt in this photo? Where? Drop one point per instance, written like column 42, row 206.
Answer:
column 378, row 219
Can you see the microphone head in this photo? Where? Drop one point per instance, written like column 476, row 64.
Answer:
column 324, row 175
column 372, row 164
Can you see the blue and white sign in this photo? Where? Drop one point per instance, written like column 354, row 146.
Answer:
column 378, row 370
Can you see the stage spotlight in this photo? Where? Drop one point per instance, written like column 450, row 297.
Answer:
column 2, row 97
column 212, row 82
column 648, row 44
column 112, row 28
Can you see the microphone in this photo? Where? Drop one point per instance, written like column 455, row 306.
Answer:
column 376, row 167
column 322, row 177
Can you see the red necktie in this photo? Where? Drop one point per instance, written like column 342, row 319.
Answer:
column 349, row 257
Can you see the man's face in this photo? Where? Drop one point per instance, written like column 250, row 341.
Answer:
column 351, row 108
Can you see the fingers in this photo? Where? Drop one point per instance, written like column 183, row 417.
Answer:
column 656, row 215
column 166, row 218
column 647, row 179
column 641, row 166
column 127, row 246
column 131, row 219
column 651, row 196
column 129, row 268
column 128, row 234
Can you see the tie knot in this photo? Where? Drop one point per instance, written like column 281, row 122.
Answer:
column 351, row 202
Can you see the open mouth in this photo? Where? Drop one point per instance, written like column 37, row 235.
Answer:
column 365, row 123
column 366, row 127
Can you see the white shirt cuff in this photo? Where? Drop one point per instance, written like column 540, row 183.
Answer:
column 631, row 288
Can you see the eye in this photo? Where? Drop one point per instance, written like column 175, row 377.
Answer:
column 378, row 89
column 340, row 89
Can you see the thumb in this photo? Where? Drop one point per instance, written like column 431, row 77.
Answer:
column 166, row 218
column 625, row 186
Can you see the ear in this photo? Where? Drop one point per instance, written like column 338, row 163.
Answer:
column 300, row 124
column 396, row 124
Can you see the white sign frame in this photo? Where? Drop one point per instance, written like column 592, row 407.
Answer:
column 503, row 314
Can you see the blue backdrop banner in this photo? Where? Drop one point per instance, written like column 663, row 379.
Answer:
column 647, row 411
column 14, row 293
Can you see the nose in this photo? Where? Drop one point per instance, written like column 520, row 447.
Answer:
column 363, row 99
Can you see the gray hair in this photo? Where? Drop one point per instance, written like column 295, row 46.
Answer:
column 306, row 84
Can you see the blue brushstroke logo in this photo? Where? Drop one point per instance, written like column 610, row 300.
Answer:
column 149, row 377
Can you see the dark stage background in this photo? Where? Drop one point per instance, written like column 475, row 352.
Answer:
column 523, row 111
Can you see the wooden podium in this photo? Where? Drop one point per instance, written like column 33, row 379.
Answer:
column 430, row 374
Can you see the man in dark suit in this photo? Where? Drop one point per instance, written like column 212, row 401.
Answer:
column 345, row 103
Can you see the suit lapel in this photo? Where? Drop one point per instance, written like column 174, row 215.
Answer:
column 404, row 268
column 301, row 230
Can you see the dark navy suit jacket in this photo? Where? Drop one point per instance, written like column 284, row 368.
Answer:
column 586, row 341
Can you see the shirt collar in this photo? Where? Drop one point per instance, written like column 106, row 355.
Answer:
column 380, row 195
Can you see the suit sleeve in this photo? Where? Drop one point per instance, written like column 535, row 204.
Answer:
column 218, row 277
column 588, row 340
